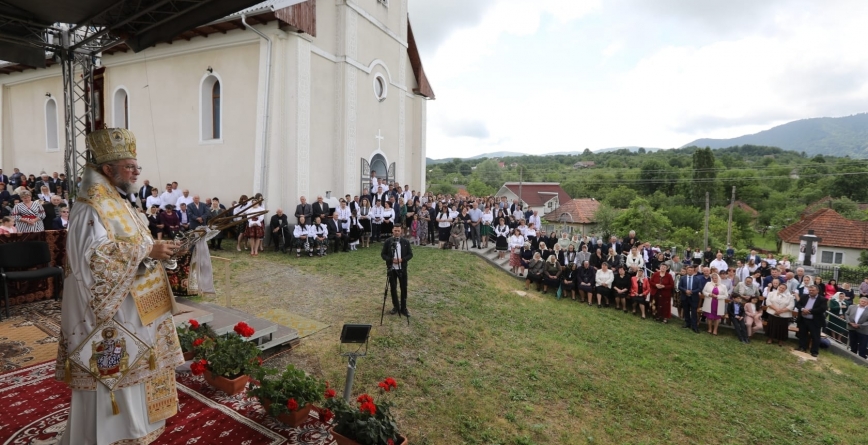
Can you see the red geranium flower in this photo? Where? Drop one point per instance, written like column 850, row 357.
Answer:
column 369, row 407
column 292, row 405
column 198, row 368
column 198, row 342
column 194, row 324
column 364, row 398
column 385, row 386
column 325, row 415
column 330, row 393
column 391, row 382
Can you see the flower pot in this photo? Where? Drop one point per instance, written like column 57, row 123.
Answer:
column 341, row 440
column 189, row 356
column 230, row 387
column 293, row 419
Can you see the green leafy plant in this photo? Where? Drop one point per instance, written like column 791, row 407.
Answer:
column 287, row 391
column 192, row 331
column 368, row 422
column 228, row 355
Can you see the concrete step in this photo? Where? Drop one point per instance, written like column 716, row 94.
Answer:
column 222, row 319
column 187, row 313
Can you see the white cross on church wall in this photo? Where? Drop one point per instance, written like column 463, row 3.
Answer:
column 379, row 137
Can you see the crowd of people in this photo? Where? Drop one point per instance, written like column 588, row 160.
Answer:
column 752, row 294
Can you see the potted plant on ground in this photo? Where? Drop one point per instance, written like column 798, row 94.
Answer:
column 288, row 396
column 189, row 333
column 226, row 361
column 366, row 422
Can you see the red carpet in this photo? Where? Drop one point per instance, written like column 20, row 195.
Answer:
column 35, row 406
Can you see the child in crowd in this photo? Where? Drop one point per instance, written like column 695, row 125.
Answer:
column 7, row 225
column 736, row 313
column 753, row 316
column 414, row 229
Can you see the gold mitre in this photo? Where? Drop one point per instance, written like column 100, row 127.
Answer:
column 112, row 144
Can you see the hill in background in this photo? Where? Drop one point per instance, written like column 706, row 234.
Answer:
column 838, row 136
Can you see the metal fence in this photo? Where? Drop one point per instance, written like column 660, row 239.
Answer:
column 852, row 276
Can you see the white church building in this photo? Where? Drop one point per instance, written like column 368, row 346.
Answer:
column 311, row 99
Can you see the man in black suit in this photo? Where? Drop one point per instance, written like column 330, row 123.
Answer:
column 3, row 178
column 321, row 209
column 144, row 193
column 279, row 226
column 396, row 253
column 337, row 233
column 46, row 181
column 690, row 286
column 303, row 209
column 812, row 319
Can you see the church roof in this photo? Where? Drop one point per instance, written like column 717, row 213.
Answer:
column 833, row 229
column 582, row 211
column 535, row 194
column 424, row 88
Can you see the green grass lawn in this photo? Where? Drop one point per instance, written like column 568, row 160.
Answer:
column 480, row 364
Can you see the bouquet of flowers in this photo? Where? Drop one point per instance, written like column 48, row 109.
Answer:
column 368, row 422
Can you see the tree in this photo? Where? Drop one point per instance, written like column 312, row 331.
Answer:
column 620, row 197
column 443, row 189
column 479, row 188
column 465, row 169
column 649, row 224
column 604, row 218
column 655, row 175
column 489, row 173
column 704, row 174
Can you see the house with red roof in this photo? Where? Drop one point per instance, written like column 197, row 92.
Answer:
column 842, row 240
column 543, row 197
column 576, row 214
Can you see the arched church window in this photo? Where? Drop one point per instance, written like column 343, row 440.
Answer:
column 211, row 109
column 121, row 107
column 52, row 142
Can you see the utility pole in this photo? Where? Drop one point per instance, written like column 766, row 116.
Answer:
column 729, row 224
column 707, row 210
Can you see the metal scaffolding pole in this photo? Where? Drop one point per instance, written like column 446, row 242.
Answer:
column 78, row 97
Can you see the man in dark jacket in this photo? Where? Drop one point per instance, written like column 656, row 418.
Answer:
column 812, row 319
column 396, row 253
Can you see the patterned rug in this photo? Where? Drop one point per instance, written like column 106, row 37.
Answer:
column 35, row 407
column 304, row 326
column 30, row 335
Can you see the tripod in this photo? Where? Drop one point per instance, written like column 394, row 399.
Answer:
column 389, row 272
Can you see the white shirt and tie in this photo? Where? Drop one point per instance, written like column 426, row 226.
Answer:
column 397, row 245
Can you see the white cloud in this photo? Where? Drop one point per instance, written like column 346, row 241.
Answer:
column 519, row 74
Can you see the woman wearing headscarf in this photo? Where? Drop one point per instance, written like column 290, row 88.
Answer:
column 586, row 281
column 621, row 288
column 779, row 307
column 501, row 244
column 551, row 273
column 603, row 283
column 535, row 269
column 662, row 284
column 714, row 303
column 301, row 234
column 569, row 279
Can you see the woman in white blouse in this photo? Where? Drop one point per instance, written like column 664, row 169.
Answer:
column 634, row 259
column 515, row 243
column 255, row 231
column 604, row 280
column 485, row 229
column 501, row 233
column 779, row 306
column 714, row 303
column 300, row 234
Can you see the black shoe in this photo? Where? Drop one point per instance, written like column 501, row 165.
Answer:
column 696, row 330
column 393, row 311
column 814, row 354
column 405, row 312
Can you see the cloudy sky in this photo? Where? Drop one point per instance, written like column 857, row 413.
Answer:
column 561, row 75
